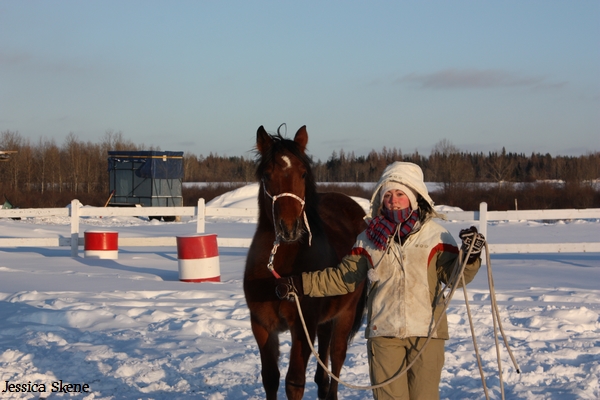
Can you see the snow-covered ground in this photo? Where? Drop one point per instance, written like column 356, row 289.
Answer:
column 129, row 329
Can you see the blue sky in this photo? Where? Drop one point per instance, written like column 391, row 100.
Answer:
column 202, row 76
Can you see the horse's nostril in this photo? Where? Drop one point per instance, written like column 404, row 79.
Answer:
column 284, row 229
column 298, row 226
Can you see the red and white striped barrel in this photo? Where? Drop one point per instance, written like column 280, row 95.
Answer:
column 101, row 244
column 198, row 258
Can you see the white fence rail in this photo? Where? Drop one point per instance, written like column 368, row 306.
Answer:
column 483, row 216
column 76, row 212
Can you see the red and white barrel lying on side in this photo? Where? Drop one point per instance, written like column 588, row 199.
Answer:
column 198, row 258
column 101, row 244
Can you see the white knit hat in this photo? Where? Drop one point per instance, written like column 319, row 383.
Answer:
column 391, row 185
column 405, row 173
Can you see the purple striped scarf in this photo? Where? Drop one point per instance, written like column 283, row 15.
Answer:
column 383, row 226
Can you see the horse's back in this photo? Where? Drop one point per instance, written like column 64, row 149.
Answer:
column 343, row 220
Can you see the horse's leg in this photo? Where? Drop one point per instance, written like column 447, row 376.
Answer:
column 321, row 376
column 268, row 345
column 338, row 348
column 295, row 379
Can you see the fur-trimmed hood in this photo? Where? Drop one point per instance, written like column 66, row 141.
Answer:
column 406, row 173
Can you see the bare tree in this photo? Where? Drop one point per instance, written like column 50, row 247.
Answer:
column 448, row 165
column 12, row 141
column 500, row 166
column 43, row 163
column 27, row 165
column 72, row 149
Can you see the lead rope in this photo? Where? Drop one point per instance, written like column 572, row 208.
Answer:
column 497, row 327
column 272, row 257
column 458, row 274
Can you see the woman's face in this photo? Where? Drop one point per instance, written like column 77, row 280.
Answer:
column 395, row 199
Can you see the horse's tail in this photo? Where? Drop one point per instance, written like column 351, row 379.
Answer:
column 359, row 316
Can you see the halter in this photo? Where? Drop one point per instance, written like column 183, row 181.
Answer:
column 277, row 236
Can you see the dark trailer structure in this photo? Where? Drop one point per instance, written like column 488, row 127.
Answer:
column 147, row 178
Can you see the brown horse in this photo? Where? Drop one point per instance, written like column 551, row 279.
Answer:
column 306, row 231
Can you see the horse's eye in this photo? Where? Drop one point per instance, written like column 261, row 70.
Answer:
column 303, row 175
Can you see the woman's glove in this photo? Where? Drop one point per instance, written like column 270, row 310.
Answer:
column 284, row 287
column 468, row 236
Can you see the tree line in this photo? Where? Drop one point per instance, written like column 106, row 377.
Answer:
column 44, row 172
column 446, row 164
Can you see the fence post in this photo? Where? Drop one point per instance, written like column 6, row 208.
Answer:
column 75, row 228
column 483, row 220
column 200, row 212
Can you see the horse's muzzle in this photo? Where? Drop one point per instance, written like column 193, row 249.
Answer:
column 290, row 232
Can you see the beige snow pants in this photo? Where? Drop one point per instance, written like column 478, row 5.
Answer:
column 387, row 356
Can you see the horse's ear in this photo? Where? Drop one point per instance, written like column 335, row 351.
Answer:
column 301, row 138
column 263, row 140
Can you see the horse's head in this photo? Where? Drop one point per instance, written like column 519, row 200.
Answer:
column 287, row 182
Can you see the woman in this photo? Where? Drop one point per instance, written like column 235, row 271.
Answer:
column 407, row 257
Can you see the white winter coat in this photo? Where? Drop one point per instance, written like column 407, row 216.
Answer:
column 404, row 298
